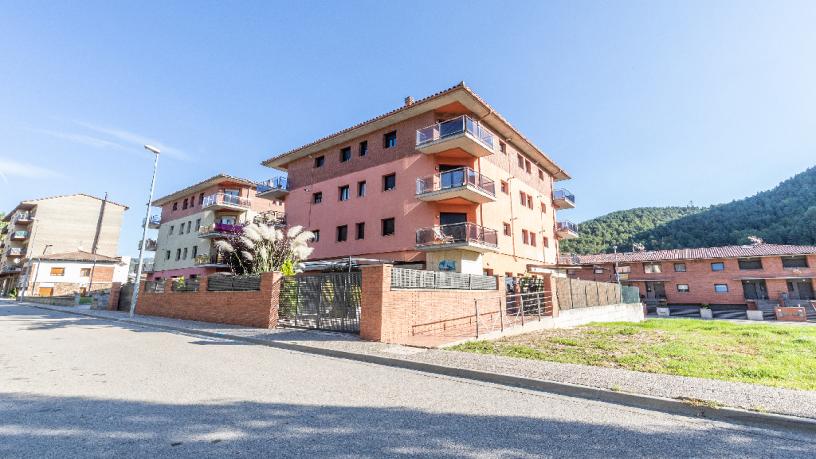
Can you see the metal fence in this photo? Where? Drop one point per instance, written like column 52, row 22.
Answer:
column 230, row 283
column 154, row 286
column 414, row 278
column 187, row 285
column 329, row 301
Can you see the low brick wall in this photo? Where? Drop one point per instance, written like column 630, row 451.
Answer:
column 248, row 308
column 394, row 315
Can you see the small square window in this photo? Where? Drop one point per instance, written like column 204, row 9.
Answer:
column 598, row 270
column 679, row 267
column 652, row 268
column 343, row 192
column 502, row 147
column 624, row 269
column 172, row 228
column 316, row 235
column 317, row 198
column 795, row 262
column 525, row 238
column 507, row 229
column 184, row 204
column 201, row 199
column 389, row 182
column 342, row 233
column 520, row 160
column 175, row 206
column 750, row 263
column 319, row 161
column 363, row 148
column 532, row 239
column 528, row 166
column 166, row 254
column 192, row 201
column 345, row 154
column 543, row 208
column 540, row 174
column 361, row 189
column 388, row 226
column 721, row 288
column 360, row 230
column 390, row 139
column 718, row 266
column 682, row 288
column 545, row 241
column 523, row 198
column 58, row 272
column 503, row 187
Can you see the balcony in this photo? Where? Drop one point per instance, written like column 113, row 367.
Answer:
column 11, row 268
column 225, row 201
column 219, row 230
column 271, row 218
column 456, row 184
column 150, row 245
column 210, row 261
column 16, row 251
column 23, row 218
column 566, row 230
column 563, row 199
column 276, row 188
column 154, row 222
column 464, row 236
column 461, row 133
column 19, row 235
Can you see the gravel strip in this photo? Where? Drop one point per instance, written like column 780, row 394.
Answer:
column 731, row 394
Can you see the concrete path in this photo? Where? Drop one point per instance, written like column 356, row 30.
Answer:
column 720, row 393
column 80, row 386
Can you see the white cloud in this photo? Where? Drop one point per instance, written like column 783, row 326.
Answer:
column 12, row 168
column 134, row 140
column 88, row 140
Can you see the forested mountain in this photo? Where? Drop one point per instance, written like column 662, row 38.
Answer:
column 784, row 215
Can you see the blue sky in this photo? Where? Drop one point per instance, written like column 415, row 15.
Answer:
column 644, row 103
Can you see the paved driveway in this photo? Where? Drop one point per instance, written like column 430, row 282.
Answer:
column 72, row 386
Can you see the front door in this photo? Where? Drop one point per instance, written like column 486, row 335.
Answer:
column 800, row 289
column 655, row 290
column 754, row 290
column 46, row 291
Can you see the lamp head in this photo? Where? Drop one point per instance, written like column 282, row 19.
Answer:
column 152, row 149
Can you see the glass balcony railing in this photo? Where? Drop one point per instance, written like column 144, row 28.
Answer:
column 456, row 233
column 455, row 178
column 23, row 217
column 224, row 199
column 210, row 260
column 221, row 228
column 18, row 235
column 153, row 222
column 566, row 226
column 459, row 125
column 277, row 183
column 15, row 251
column 564, row 195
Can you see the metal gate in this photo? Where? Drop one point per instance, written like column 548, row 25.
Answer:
column 322, row 301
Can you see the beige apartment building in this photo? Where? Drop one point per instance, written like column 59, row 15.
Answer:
column 56, row 225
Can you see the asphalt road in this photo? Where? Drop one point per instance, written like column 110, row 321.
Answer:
column 72, row 386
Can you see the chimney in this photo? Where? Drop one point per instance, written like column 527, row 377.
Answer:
column 409, row 101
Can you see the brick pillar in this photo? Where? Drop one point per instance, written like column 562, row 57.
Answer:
column 113, row 299
column 141, row 297
column 549, row 286
column 376, row 283
column 271, row 285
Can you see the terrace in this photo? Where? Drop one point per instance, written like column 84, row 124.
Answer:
column 466, row 236
column 226, row 201
column 563, row 199
column 457, row 184
column 462, row 133
column 276, row 188
column 219, row 230
column 566, row 230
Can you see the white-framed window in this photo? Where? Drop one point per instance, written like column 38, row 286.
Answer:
column 682, row 288
column 651, row 268
column 721, row 288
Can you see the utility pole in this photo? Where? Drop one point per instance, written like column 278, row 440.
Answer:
column 95, row 244
column 135, row 297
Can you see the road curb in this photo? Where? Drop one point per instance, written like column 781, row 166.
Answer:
column 647, row 402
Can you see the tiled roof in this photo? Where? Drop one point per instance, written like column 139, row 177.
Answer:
column 461, row 86
column 729, row 251
column 30, row 202
column 214, row 179
column 79, row 255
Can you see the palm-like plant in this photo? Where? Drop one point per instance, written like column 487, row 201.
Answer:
column 261, row 248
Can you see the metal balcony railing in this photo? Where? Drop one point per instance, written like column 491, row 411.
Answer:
column 23, row 217
column 455, row 126
column 154, row 220
column 457, row 233
column 455, row 178
column 223, row 228
column 566, row 195
column 566, row 226
column 15, row 251
column 225, row 199
column 277, row 183
column 210, row 260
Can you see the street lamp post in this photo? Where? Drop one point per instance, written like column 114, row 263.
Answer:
column 135, row 297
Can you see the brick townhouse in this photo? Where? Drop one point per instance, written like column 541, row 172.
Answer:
column 193, row 218
column 56, row 225
column 727, row 275
column 444, row 181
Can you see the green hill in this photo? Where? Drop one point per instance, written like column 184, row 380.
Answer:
column 785, row 214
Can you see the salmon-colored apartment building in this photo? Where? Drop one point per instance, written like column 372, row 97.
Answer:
column 444, row 181
column 728, row 275
column 193, row 218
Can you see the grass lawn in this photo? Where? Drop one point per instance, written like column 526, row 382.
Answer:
column 773, row 355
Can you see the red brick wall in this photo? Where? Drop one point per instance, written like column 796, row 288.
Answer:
column 113, row 299
column 392, row 315
column 252, row 309
column 701, row 279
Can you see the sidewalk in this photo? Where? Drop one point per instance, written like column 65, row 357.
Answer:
column 608, row 384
